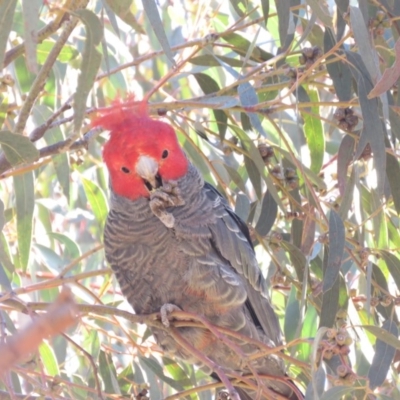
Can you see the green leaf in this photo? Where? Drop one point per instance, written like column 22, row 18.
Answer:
column 314, row 133
column 292, row 316
column 31, row 10
column 66, row 54
column 241, row 46
column 156, row 368
column 268, row 214
column 7, row 9
column 71, row 250
column 389, row 337
column 393, row 264
column 322, row 11
column 18, row 149
column 49, row 359
column 362, row 39
column 265, row 10
column 91, row 59
column 97, row 200
column 151, row 9
column 50, row 258
column 393, row 173
column 373, row 131
column 331, row 284
column 383, row 357
column 108, row 373
column 25, row 195
column 296, row 257
column 248, row 98
column 337, row 392
column 60, row 161
column 338, row 70
column 123, row 9
column 212, row 61
column 208, row 86
column 345, row 156
column 283, row 10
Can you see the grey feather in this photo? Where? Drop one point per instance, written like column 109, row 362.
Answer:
column 204, row 264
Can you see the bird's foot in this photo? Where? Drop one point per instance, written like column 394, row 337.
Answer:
column 167, row 195
column 165, row 310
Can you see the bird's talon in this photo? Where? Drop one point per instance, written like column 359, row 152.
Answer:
column 165, row 310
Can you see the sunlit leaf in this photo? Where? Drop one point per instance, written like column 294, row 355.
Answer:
column 314, row 133
column 97, row 199
column 331, row 288
column 30, row 9
column 338, row 70
column 24, row 193
column 18, row 149
column 91, row 59
column 7, row 8
column 122, row 9
column 49, row 359
column 268, row 214
column 151, row 9
column 383, row 357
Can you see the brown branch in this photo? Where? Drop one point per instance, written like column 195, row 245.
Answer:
column 47, row 30
column 60, row 315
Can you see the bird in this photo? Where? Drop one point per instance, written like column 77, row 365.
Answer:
column 174, row 243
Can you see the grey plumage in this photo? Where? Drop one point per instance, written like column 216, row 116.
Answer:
column 204, row 264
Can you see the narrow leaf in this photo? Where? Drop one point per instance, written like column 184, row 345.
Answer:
column 362, row 38
column 208, row 86
column 18, row 149
column 151, row 9
column 24, row 193
column 7, row 9
column 345, row 156
column 338, row 70
column 212, row 61
column 296, row 257
column 337, row 392
column 383, row 357
column 269, row 211
column 91, row 59
column 322, row 11
column 265, row 10
column 248, row 98
column 97, row 200
column 331, row 284
column 30, row 11
column 314, row 133
column 389, row 77
column 123, row 9
column 389, row 337
column 108, row 373
column 241, row 46
column 49, row 359
column 157, row 369
column 372, row 132
column 393, row 173
column 393, row 264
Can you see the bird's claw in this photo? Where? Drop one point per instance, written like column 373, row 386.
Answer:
column 167, row 195
column 165, row 310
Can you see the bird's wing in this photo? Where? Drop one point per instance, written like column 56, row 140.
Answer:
column 231, row 238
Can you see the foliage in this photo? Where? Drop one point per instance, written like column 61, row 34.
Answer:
column 289, row 108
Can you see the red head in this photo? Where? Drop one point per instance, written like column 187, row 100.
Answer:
column 141, row 152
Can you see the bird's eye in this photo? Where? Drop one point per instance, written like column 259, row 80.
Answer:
column 164, row 154
column 125, row 170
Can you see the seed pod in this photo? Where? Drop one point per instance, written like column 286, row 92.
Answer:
column 342, row 370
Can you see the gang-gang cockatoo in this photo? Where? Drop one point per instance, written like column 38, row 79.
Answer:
column 173, row 242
